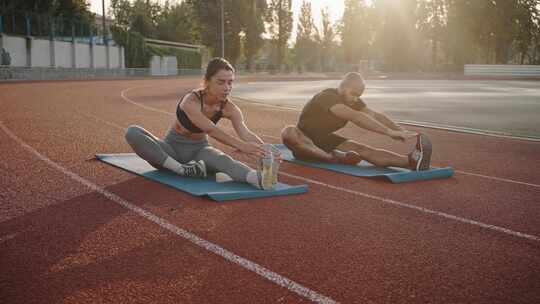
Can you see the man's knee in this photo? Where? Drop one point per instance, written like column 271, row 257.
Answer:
column 290, row 136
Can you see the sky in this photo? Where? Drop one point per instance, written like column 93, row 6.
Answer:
column 336, row 8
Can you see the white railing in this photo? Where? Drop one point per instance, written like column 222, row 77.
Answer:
column 507, row 70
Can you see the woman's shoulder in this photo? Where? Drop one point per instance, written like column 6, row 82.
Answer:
column 228, row 107
column 193, row 95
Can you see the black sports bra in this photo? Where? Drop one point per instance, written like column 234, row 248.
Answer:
column 186, row 122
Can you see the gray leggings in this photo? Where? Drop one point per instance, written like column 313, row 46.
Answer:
column 183, row 150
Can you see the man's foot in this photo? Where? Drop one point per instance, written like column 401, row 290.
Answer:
column 347, row 158
column 195, row 169
column 420, row 157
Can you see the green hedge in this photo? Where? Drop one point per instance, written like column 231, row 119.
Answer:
column 186, row 59
column 137, row 52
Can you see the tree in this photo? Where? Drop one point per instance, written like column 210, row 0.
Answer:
column 66, row 8
column 528, row 29
column 397, row 34
column 327, row 41
column 459, row 37
column 66, row 13
column 176, row 23
column 305, row 45
column 280, row 22
column 208, row 14
column 233, row 28
column 431, row 22
column 355, row 31
column 253, row 28
column 139, row 16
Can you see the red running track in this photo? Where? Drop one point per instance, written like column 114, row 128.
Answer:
column 75, row 230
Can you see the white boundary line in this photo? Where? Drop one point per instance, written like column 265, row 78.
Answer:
column 421, row 209
column 500, row 179
column 216, row 249
column 489, row 133
column 396, row 203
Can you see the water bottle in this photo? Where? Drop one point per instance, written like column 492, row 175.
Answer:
column 267, row 164
column 275, row 164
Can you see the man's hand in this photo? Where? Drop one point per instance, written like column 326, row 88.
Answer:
column 401, row 135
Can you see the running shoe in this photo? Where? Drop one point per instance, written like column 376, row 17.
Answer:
column 420, row 157
column 195, row 169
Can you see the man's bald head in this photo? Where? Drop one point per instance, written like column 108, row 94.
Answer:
column 353, row 80
column 352, row 86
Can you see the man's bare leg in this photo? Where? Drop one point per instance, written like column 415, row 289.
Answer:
column 303, row 147
column 378, row 157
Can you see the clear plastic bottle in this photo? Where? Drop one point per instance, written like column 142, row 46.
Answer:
column 275, row 164
column 266, row 168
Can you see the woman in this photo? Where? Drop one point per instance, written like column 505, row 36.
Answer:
column 185, row 149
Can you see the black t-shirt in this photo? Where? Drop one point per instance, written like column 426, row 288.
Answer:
column 316, row 117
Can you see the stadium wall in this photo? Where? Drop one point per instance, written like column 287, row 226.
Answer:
column 35, row 52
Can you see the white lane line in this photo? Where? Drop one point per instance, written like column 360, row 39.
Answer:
column 228, row 255
column 500, row 179
column 488, row 133
column 278, row 138
column 138, row 104
column 421, row 209
column 102, row 120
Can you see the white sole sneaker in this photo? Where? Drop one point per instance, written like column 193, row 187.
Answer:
column 425, row 149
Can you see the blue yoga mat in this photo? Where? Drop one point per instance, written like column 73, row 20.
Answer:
column 365, row 169
column 199, row 187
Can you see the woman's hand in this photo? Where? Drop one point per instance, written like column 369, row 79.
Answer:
column 252, row 149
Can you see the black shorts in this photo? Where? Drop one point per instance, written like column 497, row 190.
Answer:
column 327, row 142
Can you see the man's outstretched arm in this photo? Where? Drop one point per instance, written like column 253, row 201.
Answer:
column 359, row 118
column 366, row 121
column 383, row 119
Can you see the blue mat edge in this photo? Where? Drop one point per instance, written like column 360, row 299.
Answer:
column 221, row 196
column 216, row 196
column 434, row 173
column 394, row 177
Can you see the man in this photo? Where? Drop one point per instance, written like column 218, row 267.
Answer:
column 330, row 110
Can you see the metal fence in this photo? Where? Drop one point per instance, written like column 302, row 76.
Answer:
column 51, row 27
column 8, row 73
